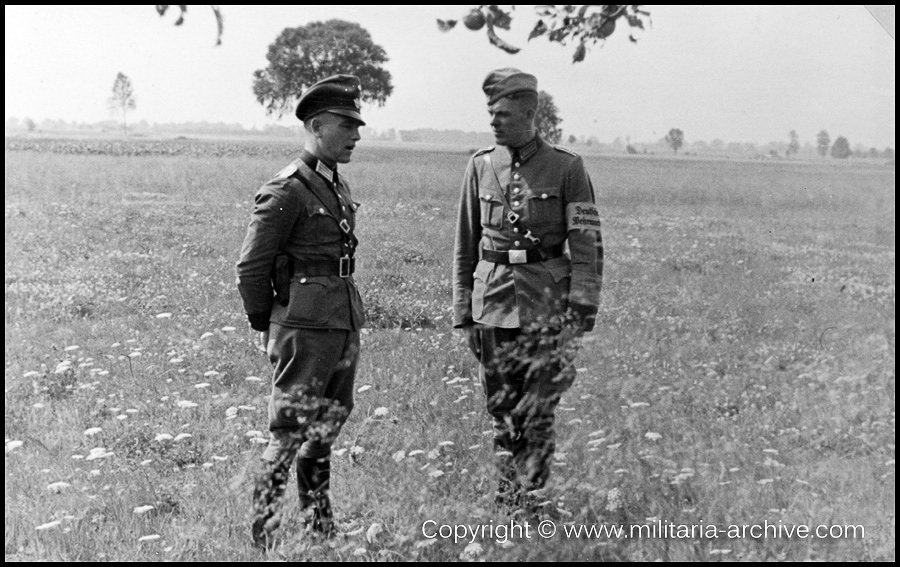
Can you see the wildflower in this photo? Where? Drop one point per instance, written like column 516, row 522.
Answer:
column 253, row 379
column 437, row 473
column 162, row 437
column 151, row 537
column 359, row 551
column 765, row 481
column 92, row 431
column 163, row 315
column 98, row 453
column 653, row 436
column 143, row 509
column 202, row 385
column 210, row 373
column 446, row 443
column 231, row 413
column 185, row 404
column 48, row 525
column 415, row 452
column 181, row 436
column 58, row 486
column 399, row 456
column 362, row 389
column 381, row 412
column 176, row 360
column 373, row 531
column 71, row 348
column 228, row 329
column 205, row 335
column 472, row 550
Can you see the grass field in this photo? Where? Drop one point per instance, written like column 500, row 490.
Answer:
column 741, row 371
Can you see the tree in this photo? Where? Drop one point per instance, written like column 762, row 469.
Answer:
column 582, row 25
column 841, row 148
column 301, row 56
column 888, row 153
column 29, row 123
column 675, row 138
column 547, row 119
column 122, row 98
column 793, row 144
column 823, row 140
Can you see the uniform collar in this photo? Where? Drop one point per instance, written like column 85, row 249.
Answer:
column 329, row 174
column 523, row 153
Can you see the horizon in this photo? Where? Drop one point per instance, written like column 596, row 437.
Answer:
column 748, row 74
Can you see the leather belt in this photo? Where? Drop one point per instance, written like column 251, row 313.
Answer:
column 342, row 267
column 522, row 256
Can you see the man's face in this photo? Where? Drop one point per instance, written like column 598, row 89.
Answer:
column 339, row 135
column 511, row 122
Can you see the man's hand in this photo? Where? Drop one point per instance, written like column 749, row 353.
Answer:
column 473, row 335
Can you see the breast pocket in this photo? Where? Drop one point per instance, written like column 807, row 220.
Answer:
column 320, row 226
column 545, row 207
column 491, row 211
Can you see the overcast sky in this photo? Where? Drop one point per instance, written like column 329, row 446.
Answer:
column 748, row 74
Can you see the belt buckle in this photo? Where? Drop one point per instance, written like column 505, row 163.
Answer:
column 344, row 268
column 518, row 256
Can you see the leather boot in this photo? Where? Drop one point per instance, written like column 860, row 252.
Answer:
column 313, row 483
column 268, row 492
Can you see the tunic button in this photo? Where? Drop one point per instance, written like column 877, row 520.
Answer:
column 343, row 208
column 515, row 229
column 517, row 164
column 516, row 243
column 302, row 280
column 322, row 211
column 516, row 176
column 544, row 196
column 515, row 190
column 515, row 203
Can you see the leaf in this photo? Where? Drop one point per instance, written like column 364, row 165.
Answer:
column 539, row 29
column 498, row 17
column 446, row 25
column 161, row 9
column 633, row 40
column 634, row 21
column 497, row 42
column 580, row 52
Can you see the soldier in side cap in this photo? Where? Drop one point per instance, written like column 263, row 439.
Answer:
column 527, row 271
column 295, row 277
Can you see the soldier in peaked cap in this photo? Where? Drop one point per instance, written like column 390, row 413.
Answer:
column 295, row 277
column 527, row 271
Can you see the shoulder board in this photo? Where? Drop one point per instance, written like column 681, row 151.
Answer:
column 287, row 171
column 565, row 150
column 483, row 151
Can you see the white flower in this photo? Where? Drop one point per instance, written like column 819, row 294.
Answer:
column 163, row 315
column 98, row 453
column 92, row 431
column 362, row 389
column 181, row 436
column 254, row 433
column 471, row 550
column 58, row 486
column 176, row 360
column 186, row 404
column 253, row 379
column 228, row 329
column 72, row 347
column 163, row 437
column 446, row 444
column 151, row 537
column 373, row 531
column 48, row 525
column 205, row 335
column 381, row 412
column 143, row 509
column 415, row 452
column 399, row 456
column 437, row 473
column 231, row 413
column 211, row 373
column 653, row 436
column 202, row 385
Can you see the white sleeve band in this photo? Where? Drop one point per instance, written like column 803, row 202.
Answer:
column 582, row 216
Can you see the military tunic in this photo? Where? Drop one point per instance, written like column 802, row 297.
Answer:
column 307, row 213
